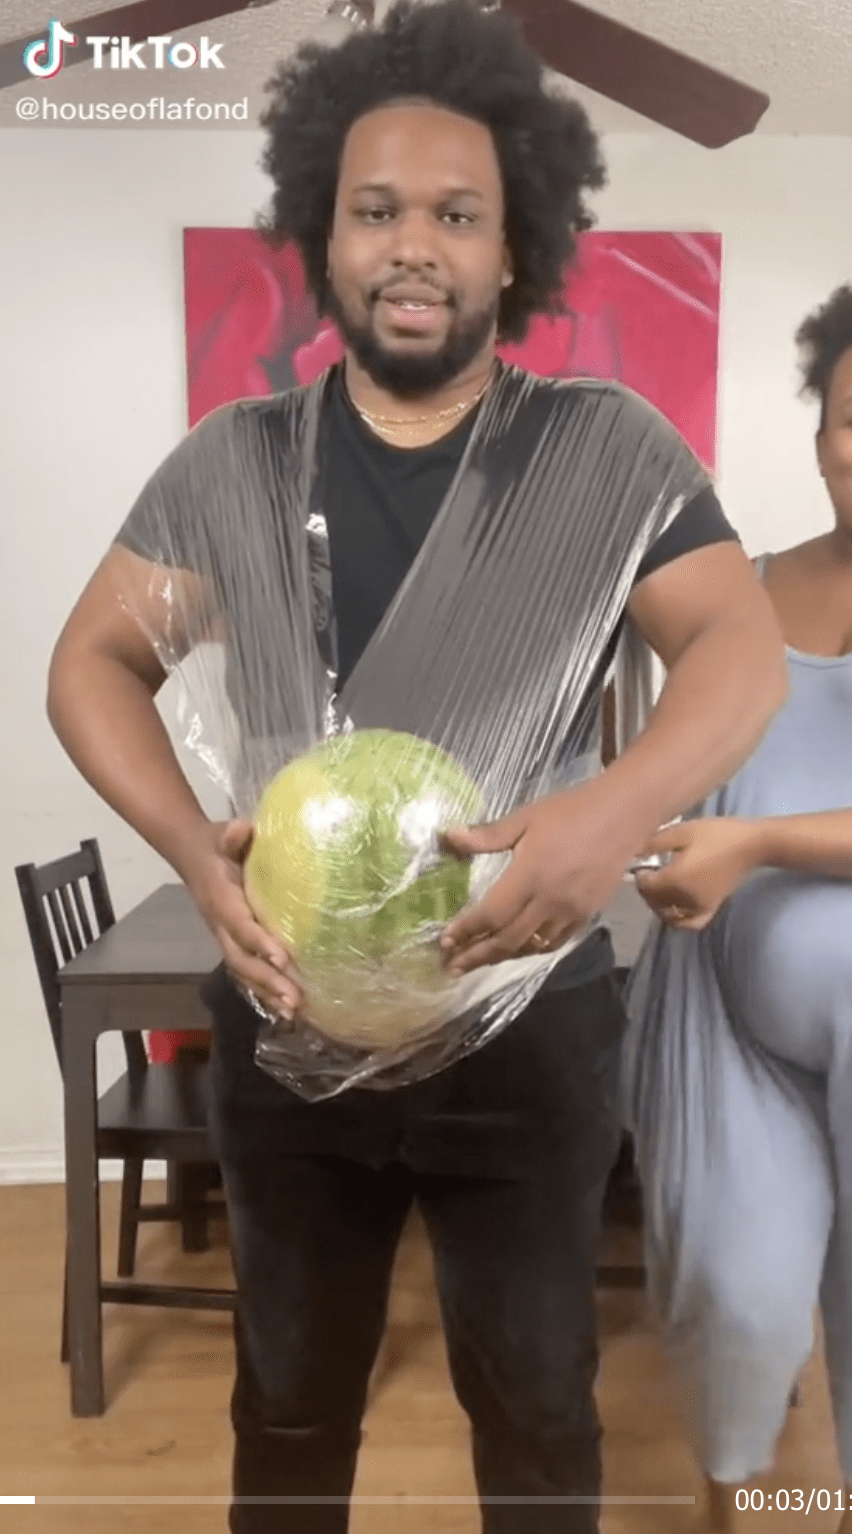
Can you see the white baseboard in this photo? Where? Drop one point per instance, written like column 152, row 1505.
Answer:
column 26, row 1164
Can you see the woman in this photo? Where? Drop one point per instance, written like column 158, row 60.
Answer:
column 739, row 1053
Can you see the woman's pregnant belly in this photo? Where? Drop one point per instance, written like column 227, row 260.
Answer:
column 787, row 946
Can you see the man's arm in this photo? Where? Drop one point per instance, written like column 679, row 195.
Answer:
column 104, row 677
column 708, row 618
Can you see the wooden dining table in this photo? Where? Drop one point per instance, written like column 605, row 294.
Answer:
column 145, row 973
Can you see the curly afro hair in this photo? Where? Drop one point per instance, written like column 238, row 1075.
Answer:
column 467, row 60
column 822, row 339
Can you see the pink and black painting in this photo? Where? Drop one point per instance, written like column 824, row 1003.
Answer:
column 641, row 307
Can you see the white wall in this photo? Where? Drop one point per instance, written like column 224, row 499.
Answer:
column 92, row 397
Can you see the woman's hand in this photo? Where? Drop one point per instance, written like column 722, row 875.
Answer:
column 709, row 860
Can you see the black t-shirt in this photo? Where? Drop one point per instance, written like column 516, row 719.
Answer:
column 380, row 502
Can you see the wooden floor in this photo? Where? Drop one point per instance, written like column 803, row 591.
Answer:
column 166, row 1434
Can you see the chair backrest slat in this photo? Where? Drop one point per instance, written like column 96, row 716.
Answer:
column 82, row 914
column 72, row 925
column 60, row 927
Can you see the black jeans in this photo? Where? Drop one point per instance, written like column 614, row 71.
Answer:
column 507, row 1155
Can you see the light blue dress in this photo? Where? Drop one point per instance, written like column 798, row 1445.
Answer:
column 738, row 1092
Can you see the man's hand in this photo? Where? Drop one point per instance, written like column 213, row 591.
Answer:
column 709, row 620
column 710, row 860
column 569, row 854
column 214, row 875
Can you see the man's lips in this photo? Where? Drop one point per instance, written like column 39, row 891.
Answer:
column 410, row 309
column 412, row 295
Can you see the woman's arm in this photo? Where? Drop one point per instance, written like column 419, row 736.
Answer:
column 711, row 858
column 811, row 844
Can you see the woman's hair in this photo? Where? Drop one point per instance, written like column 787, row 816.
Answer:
column 469, row 61
column 822, row 339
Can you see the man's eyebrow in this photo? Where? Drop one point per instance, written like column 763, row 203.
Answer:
column 374, row 186
column 384, row 189
column 464, row 191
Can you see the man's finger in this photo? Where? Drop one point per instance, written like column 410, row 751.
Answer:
column 498, row 836
column 513, row 942
column 546, row 937
column 254, row 937
column 236, row 840
column 501, row 942
column 497, row 909
column 266, row 999
column 260, row 976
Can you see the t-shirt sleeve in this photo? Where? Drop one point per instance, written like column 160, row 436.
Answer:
column 166, row 523
column 700, row 523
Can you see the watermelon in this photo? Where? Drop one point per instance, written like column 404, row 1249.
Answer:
column 345, row 869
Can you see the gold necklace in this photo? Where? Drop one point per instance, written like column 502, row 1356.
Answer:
column 409, row 422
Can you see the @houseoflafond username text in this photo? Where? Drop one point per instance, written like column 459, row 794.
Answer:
column 156, row 110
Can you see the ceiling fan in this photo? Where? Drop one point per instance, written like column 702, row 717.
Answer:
column 666, row 86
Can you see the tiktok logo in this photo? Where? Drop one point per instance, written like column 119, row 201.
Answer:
column 45, row 57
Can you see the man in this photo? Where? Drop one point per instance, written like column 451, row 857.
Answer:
column 434, row 188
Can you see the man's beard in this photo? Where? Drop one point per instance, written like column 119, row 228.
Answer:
column 411, row 375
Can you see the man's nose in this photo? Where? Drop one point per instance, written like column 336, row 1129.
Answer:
column 414, row 240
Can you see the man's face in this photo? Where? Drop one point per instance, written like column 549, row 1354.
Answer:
column 417, row 256
column 834, row 444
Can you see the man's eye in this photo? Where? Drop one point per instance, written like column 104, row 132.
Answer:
column 374, row 215
column 454, row 217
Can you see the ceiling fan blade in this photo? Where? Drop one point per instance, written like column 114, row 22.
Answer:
column 139, row 20
column 668, row 87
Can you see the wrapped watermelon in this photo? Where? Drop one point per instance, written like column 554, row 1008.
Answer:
column 346, row 869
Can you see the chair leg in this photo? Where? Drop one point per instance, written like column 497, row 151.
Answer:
column 63, row 1346
column 194, row 1218
column 131, row 1197
column 173, row 1184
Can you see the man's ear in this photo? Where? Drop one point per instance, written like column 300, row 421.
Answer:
column 819, row 443
column 508, row 268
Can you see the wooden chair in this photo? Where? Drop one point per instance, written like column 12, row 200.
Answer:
column 152, row 1111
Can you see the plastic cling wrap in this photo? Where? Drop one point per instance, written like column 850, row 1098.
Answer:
column 478, row 693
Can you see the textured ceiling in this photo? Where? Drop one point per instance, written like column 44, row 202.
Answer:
column 797, row 51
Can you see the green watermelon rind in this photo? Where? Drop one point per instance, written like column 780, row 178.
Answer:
column 381, row 946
